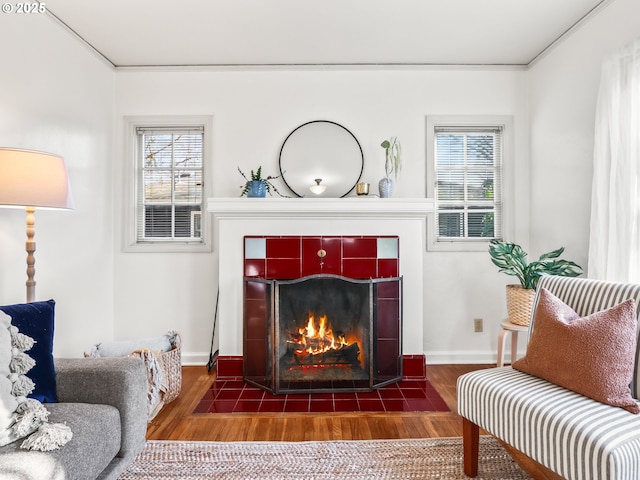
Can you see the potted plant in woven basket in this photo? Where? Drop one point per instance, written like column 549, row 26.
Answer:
column 511, row 259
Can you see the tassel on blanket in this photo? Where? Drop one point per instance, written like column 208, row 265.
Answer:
column 30, row 414
column 21, row 362
column 49, row 436
column 21, row 385
column 19, row 340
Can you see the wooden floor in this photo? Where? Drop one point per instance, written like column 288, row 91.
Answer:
column 176, row 422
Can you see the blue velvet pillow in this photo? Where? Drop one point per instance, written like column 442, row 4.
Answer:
column 36, row 320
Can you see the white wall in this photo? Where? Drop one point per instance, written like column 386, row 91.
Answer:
column 254, row 111
column 563, row 89
column 57, row 96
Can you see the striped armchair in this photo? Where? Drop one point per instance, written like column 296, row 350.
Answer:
column 570, row 434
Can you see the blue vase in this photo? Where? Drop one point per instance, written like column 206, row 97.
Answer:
column 257, row 189
column 385, row 187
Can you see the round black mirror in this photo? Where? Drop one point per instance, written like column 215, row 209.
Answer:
column 321, row 159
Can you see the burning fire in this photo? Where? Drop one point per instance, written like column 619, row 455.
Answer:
column 317, row 345
column 316, row 339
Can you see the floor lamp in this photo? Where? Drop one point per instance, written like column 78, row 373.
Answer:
column 30, row 180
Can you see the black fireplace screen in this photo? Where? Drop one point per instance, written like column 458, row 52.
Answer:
column 322, row 333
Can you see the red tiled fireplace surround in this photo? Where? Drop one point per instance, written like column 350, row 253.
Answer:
column 298, row 286
column 291, row 257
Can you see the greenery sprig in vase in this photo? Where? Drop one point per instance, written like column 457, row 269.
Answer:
column 256, row 186
column 511, row 259
column 392, row 165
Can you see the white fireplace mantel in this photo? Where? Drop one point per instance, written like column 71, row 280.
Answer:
column 235, row 218
column 364, row 207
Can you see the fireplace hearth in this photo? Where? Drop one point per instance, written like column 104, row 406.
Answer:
column 322, row 333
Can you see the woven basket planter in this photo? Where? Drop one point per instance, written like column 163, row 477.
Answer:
column 520, row 304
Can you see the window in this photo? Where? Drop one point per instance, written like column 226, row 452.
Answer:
column 466, row 182
column 168, row 185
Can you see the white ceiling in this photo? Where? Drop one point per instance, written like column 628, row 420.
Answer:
column 132, row 33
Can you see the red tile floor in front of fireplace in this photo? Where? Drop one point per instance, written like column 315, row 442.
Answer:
column 236, row 396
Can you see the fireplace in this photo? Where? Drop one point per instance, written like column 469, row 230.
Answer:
column 270, row 220
column 321, row 313
column 322, row 333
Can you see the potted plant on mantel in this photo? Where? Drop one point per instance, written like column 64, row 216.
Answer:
column 256, row 186
column 392, row 165
column 512, row 260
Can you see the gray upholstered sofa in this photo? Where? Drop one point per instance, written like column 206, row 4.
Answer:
column 104, row 402
column 574, row 436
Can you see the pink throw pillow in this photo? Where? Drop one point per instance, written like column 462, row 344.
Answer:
column 593, row 355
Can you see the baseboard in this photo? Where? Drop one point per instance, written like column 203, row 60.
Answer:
column 412, row 364
column 194, row 359
column 466, row 358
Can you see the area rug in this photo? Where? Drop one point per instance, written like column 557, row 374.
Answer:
column 429, row 458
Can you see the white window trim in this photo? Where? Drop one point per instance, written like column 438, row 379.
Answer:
column 130, row 243
column 508, row 199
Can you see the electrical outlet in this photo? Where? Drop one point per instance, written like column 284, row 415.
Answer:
column 477, row 325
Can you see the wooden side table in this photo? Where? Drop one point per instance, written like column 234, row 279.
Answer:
column 513, row 329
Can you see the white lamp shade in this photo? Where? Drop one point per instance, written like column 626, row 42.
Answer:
column 33, row 179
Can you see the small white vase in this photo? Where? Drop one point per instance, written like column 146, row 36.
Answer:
column 385, row 187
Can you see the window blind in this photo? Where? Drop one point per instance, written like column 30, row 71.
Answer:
column 170, row 184
column 468, row 190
